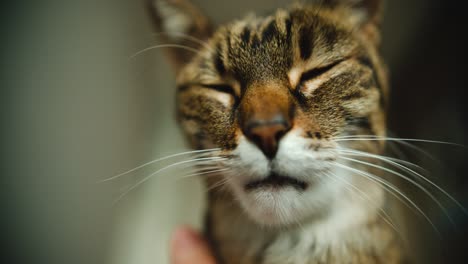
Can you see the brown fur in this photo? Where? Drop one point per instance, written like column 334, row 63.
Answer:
column 258, row 59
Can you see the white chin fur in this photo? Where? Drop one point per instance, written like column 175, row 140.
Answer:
column 287, row 205
column 280, row 207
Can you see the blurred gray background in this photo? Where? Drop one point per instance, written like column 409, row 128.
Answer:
column 76, row 109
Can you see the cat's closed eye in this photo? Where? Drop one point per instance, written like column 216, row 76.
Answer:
column 316, row 72
column 223, row 88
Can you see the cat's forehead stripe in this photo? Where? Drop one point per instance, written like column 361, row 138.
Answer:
column 218, row 58
column 262, row 48
column 270, row 31
column 305, row 43
column 245, row 35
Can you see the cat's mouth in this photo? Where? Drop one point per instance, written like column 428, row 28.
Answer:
column 276, row 181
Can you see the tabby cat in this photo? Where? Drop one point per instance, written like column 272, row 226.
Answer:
column 277, row 97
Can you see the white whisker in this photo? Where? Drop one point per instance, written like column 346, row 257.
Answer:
column 202, row 173
column 164, row 46
column 409, row 180
column 166, row 168
column 383, row 158
column 218, row 184
column 367, row 137
column 187, row 37
column 381, row 212
column 379, row 138
column 410, row 171
column 392, row 187
column 158, row 160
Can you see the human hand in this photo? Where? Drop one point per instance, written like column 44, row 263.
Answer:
column 188, row 247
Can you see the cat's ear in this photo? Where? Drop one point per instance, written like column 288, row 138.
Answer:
column 181, row 26
column 365, row 15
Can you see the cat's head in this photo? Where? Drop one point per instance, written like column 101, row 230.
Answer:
column 275, row 94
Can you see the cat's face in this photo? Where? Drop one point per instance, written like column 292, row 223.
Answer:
column 273, row 93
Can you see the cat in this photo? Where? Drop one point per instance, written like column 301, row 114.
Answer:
column 283, row 100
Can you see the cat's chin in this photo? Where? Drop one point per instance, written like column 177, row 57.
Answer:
column 281, row 205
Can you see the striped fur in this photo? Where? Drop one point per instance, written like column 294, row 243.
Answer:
column 318, row 66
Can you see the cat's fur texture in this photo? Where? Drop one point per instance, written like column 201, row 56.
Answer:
column 274, row 93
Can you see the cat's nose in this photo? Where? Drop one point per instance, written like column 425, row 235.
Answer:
column 266, row 134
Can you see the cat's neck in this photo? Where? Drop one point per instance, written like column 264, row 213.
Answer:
column 355, row 231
